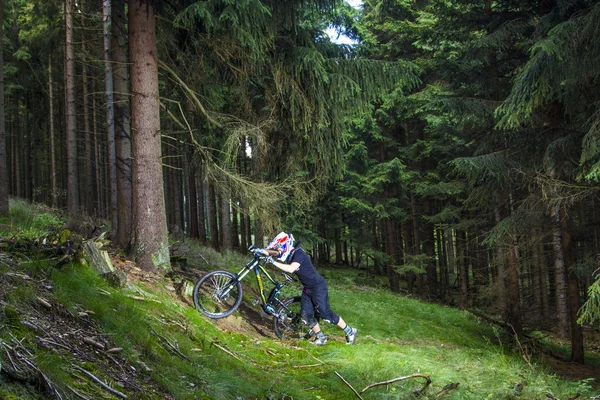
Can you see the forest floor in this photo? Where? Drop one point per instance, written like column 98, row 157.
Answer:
column 79, row 341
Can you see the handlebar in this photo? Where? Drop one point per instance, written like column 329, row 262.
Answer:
column 259, row 254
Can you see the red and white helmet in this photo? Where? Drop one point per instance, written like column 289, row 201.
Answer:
column 284, row 243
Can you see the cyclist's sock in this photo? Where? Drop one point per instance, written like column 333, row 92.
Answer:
column 347, row 329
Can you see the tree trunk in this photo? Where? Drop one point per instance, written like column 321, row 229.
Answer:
column 500, row 261
column 70, row 115
column 51, row 139
column 192, row 196
column 89, row 187
column 512, row 279
column 390, row 242
column 201, row 195
column 122, row 123
column 98, row 160
column 429, row 250
column 212, row 215
column 225, row 214
column 562, row 308
column 462, row 268
column 4, row 185
column 338, row 246
column 150, row 237
column 577, row 351
column 110, row 117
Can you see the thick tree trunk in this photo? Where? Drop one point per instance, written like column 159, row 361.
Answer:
column 150, row 237
column 110, row 117
column 122, row 123
column 70, row 115
column 4, row 184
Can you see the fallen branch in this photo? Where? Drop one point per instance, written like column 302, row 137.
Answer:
column 225, row 350
column 349, row 385
column 447, row 389
column 98, row 381
column 427, row 382
column 174, row 348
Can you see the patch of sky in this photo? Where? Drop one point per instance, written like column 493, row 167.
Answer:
column 338, row 37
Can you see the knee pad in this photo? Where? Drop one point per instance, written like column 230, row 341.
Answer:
column 309, row 320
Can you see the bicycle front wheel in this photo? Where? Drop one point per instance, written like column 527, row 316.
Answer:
column 288, row 324
column 217, row 294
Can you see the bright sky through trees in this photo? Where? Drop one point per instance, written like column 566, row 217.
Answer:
column 343, row 39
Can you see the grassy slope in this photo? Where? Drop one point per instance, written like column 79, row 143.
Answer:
column 186, row 356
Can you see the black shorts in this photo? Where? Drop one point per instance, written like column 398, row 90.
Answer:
column 315, row 302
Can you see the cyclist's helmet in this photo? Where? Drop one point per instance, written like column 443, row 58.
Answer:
column 284, row 243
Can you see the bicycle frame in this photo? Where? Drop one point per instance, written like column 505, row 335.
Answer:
column 259, row 269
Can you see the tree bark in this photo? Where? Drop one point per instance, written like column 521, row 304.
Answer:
column 89, row 187
column 51, row 139
column 462, row 268
column 225, row 215
column 110, row 116
column 4, row 184
column 562, row 308
column 150, row 237
column 577, row 351
column 70, row 115
column 429, row 250
column 122, row 123
column 212, row 217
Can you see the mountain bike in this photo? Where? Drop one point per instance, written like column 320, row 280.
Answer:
column 219, row 293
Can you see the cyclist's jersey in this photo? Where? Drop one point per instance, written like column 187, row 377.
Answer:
column 307, row 273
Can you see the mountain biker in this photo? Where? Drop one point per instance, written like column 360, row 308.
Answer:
column 315, row 294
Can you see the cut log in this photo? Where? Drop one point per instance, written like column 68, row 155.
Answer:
column 100, row 261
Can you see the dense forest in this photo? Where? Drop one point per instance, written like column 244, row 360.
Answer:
column 452, row 150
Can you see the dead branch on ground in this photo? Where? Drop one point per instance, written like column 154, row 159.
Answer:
column 98, row 381
column 402, row 378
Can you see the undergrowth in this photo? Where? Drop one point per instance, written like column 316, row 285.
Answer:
column 177, row 353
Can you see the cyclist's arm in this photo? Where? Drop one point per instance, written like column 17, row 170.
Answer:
column 289, row 268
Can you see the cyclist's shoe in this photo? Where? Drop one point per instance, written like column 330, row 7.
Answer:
column 308, row 335
column 320, row 341
column 351, row 337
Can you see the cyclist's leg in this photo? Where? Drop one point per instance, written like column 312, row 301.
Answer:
column 320, row 298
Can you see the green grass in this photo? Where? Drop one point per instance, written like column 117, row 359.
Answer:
column 398, row 336
column 31, row 221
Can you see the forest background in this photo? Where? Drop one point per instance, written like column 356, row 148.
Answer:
column 452, row 151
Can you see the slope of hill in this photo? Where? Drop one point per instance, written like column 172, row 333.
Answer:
column 66, row 333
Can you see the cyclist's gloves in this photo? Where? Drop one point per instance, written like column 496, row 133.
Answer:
column 270, row 260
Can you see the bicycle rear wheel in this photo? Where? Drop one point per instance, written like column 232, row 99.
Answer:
column 217, row 294
column 289, row 324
